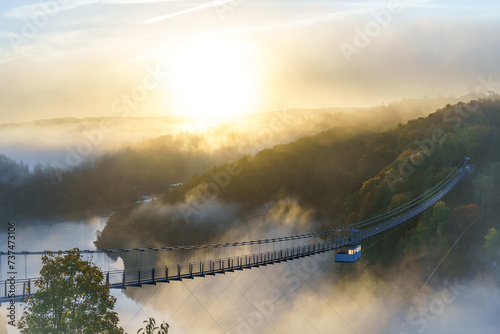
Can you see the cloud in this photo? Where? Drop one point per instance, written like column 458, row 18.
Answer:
column 306, row 68
column 420, row 51
column 215, row 3
column 54, row 7
column 126, row 2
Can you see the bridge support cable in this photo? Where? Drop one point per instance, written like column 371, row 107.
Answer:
column 415, row 202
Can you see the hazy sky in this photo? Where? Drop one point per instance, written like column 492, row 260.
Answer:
column 87, row 58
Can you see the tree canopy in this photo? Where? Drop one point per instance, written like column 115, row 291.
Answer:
column 71, row 298
column 492, row 241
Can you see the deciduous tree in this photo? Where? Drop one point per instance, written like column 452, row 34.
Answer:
column 71, row 298
column 492, row 241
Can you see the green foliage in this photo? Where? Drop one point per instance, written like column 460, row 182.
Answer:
column 487, row 189
column 151, row 327
column 492, row 241
column 484, row 192
column 71, row 298
column 440, row 215
column 460, row 218
column 429, row 235
column 398, row 200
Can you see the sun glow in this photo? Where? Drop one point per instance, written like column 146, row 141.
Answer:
column 214, row 81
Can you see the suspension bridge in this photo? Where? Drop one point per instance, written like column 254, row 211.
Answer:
column 124, row 268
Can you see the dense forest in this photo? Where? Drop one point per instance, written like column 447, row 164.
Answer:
column 341, row 176
column 111, row 181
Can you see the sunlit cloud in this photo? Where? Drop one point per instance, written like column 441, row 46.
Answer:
column 54, row 7
column 190, row 10
column 125, row 2
column 295, row 46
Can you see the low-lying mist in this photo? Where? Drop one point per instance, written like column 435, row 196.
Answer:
column 74, row 169
column 3, row 325
column 313, row 294
column 200, row 220
column 69, row 142
column 317, row 295
column 49, row 141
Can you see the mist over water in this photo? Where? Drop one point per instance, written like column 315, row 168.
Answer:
column 156, row 224
column 312, row 294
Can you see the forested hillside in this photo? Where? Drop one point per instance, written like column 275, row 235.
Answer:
column 340, row 177
column 355, row 175
column 117, row 176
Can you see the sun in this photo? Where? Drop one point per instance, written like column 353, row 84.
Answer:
column 214, row 80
